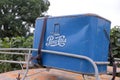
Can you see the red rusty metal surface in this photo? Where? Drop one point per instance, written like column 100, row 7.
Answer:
column 53, row 74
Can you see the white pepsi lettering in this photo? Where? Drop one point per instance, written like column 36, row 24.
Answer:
column 53, row 41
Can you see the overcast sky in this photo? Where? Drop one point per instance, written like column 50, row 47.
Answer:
column 109, row 9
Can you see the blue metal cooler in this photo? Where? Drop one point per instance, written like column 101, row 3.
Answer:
column 76, row 34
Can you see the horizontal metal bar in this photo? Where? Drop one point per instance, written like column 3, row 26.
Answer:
column 102, row 63
column 8, row 61
column 117, row 59
column 1, row 52
column 48, row 51
column 71, row 55
column 24, row 49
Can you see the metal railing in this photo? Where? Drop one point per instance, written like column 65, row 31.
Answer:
column 7, row 51
column 50, row 52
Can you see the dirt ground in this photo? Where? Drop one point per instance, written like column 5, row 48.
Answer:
column 53, row 74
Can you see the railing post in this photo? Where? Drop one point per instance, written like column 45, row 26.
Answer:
column 27, row 66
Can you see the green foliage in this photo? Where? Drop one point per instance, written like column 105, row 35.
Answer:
column 115, row 40
column 17, row 16
column 14, row 42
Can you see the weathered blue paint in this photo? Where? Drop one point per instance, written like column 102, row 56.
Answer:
column 76, row 34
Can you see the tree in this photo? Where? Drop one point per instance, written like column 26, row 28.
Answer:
column 115, row 41
column 14, row 42
column 17, row 16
